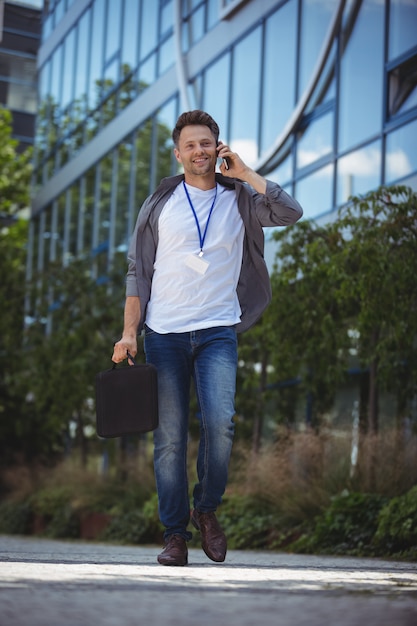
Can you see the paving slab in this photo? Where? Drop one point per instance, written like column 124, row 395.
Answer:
column 65, row 583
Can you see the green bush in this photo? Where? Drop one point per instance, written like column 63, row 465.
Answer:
column 136, row 526
column 246, row 521
column 397, row 525
column 346, row 527
column 54, row 506
column 15, row 518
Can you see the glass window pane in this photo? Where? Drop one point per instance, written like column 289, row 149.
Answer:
column 111, row 77
column 196, row 26
column 147, row 73
column 359, row 172
column 245, row 97
column 87, row 209
column 56, row 78
column 143, row 159
column 401, row 153
column 59, row 230
column 106, row 175
column 216, row 93
column 167, row 17
column 283, row 173
column 123, row 203
column 316, row 141
column 74, row 200
column 46, row 236
column 96, row 57
column 314, row 192
column 212, row 13
column 130, row 34
column 165, row 123
column 80, row 79
column 315, row 20
column 148, row 28
column 402, row 27
column 68, row 69
column 402, row 87
column 279, row 70
column 114, row 17
column 18, row 96
column 360, row 113
column 166, row 55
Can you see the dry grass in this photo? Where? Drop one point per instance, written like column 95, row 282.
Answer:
column 296, row 476
column 299, row 473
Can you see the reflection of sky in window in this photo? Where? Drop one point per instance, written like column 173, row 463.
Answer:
column 56, row 75
column 283, row 172
column 315, row 16
column 68, row 69
column 148, row 27
column 80, row 78
column 314, row 192
column 114, row 15
column 245, row 99
column 401, row 153
column 130, row 33
column 96, row 51
column 216, row 93
column 403, row 26
column 316, row 141
column 279, row 73
column 359, row 172
column 361, row 82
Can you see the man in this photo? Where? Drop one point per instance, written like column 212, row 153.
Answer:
column 196, row 277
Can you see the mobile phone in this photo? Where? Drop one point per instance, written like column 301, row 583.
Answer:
column 225, row 160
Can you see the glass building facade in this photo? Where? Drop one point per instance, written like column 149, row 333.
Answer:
column 20, row 28
column 319, row 95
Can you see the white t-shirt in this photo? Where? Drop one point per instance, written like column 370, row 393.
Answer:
column 188, row 292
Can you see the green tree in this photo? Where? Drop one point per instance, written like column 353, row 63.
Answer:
column 344, row 295
column 61, row 365
column 15, row 170
column 379, row 265
column 347, row 292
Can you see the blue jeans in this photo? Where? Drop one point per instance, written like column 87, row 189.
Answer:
column 210, row 358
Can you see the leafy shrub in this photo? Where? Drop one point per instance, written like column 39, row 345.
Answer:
column 346, row 527
column 246, row 521
column 64, row 524
column 397, row 525
column 50, row 500
column 53, row 505
column 136, row 526
column 15, row 518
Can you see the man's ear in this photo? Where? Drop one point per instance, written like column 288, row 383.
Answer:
column 177, row 155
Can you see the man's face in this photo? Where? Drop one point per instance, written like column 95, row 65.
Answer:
column 196, row 150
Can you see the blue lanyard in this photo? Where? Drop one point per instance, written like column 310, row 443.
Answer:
column 201, row 237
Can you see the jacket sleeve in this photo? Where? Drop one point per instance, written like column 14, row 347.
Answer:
column 276, row 207
column 131, row 278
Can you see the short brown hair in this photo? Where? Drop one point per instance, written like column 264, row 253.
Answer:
column 198, row 118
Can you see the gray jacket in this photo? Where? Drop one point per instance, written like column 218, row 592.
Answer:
column 274, row 208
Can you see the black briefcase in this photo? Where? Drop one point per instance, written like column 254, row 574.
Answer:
column 126, row 400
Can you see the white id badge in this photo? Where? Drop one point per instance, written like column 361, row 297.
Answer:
column 197, row 263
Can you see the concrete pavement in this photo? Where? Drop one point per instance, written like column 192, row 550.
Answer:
column 57, row 583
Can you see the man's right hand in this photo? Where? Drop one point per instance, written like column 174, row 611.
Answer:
column 122, row 347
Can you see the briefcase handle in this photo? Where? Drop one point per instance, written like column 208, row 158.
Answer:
column 129, row 356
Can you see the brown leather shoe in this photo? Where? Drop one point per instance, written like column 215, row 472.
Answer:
column 213, row 539
column 175, row 551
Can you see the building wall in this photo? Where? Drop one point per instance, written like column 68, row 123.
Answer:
column 319, row 96
column 19, row 43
